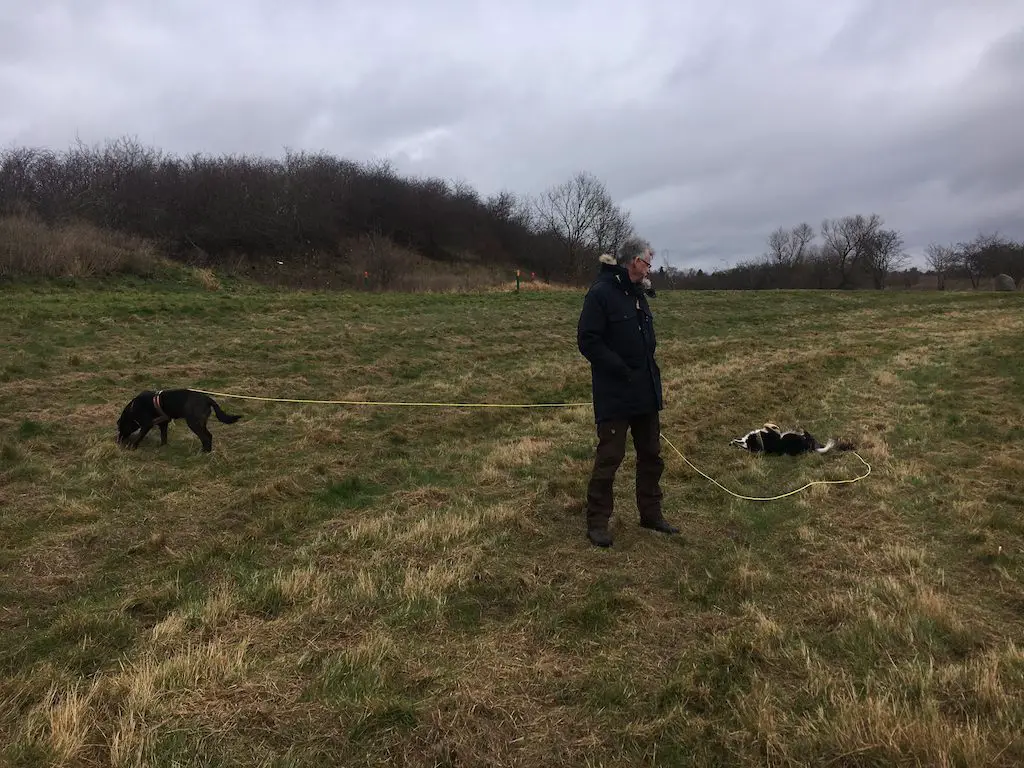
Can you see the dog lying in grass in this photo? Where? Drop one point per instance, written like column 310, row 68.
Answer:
column 773, row 441
column 157, row 409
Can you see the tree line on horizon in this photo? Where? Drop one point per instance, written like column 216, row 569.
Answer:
column 317, row 209
column 309, row 207
column 856, row 252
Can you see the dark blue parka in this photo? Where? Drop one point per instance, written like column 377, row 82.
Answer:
column 616, row 334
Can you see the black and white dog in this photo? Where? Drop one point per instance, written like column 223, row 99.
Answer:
column 773, row 441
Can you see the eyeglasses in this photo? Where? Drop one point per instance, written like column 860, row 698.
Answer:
column 645, row 261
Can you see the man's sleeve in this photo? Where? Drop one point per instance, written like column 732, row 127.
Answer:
column 590, row 338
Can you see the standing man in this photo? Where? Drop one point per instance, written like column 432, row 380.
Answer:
column 616, row 334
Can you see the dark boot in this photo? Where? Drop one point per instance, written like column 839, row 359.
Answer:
column 649, row 468
column 599, row 512
column 611, row 449
column 599, row 537
column 659, row 525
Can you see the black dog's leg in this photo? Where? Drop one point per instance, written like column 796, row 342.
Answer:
column 163, row 432
column 143, row 431
column 198, row 426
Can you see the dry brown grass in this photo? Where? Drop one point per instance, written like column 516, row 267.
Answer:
column 29, row 247
column 205, row 277
column 371, row 264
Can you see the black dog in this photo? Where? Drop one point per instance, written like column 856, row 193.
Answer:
column 149, row 409
column 771, row 440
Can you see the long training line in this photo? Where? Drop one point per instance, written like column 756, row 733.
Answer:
column 387, row 403
column 534, row 405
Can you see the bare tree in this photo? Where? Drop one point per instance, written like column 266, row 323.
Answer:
column 800, row 239
column 942, row 260
column 568, row 210
column 970, row 256
column 612, row 227
column 845, row 242
column 463, row 190
column 502, row 205
column 778, row 247
column 881, row 253
column 581, row 213
column 788, row 247
column 994, row 254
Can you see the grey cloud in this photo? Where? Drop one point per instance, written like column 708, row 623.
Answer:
column 712, row 125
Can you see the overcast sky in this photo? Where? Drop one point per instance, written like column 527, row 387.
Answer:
column 711, row 124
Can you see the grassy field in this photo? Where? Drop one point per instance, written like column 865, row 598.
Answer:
column 346, row 585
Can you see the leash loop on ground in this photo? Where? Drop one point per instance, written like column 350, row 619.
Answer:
column 769, row 498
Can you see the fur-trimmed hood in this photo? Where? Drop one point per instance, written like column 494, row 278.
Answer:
column 648, row 287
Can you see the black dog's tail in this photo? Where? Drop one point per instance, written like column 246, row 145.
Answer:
column 223, row 417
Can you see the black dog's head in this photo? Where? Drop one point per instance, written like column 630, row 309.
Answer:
column 810, row 442
column 128, row 424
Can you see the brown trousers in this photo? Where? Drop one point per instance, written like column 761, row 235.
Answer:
column 611, row 450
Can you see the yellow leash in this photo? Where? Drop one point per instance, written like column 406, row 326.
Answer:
column 781, row 495
column 532, row 405
column 377, row 402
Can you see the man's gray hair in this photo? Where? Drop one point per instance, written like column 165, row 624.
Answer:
column 631, row 249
